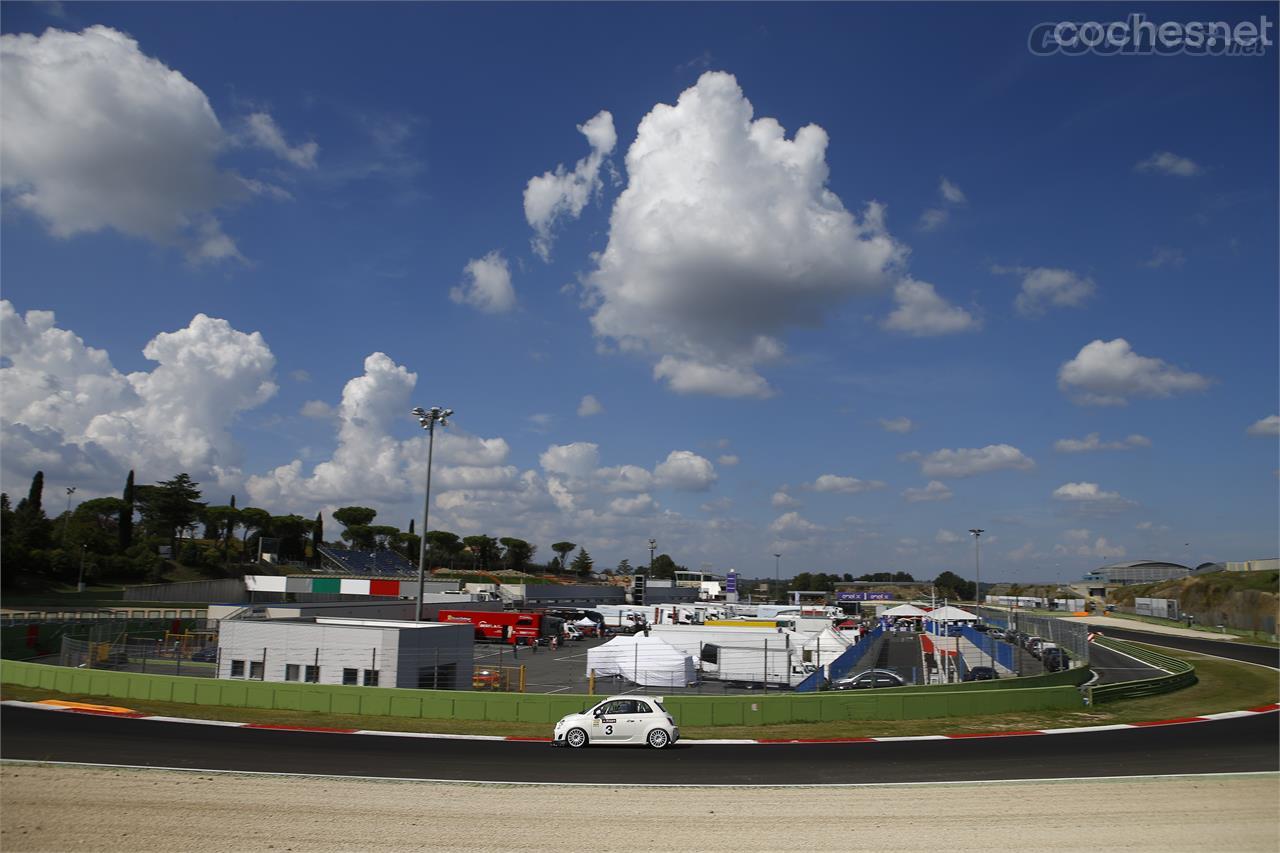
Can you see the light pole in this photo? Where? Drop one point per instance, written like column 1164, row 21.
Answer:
column 653, row 545
column 777, row 574
column 977, row 570
column 71, row 490
column 428, row 420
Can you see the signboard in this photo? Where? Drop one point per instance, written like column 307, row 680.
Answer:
column 731, row 582
column 864, row 596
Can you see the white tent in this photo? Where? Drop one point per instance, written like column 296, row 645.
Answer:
column 951, row 614
column 647, row 661
column 906, row 610
column 584, row 622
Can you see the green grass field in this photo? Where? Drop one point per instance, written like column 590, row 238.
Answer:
column 1223, row 686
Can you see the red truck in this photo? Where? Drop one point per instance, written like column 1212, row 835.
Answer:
column 514, row 627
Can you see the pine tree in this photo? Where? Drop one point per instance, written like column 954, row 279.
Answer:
column 582, row 564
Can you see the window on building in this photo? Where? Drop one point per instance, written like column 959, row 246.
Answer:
column 237, row 669
column 349, row 676
column 370, row 678
column 313, row 674
column 256, row 668
column 292, row 672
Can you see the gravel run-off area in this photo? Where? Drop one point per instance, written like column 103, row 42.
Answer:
column 66, row 808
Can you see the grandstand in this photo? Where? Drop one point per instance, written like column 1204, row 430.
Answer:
column 380, row 563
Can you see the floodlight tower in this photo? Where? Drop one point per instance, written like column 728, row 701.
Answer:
column 428, row 420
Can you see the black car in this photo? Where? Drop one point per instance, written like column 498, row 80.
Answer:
column 981, row 673
column 209, row 654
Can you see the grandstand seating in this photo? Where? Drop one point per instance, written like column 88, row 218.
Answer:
column 367, row 562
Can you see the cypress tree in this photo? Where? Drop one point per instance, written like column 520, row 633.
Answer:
column 411, row 527
column 36, row 495
column 126, row 515
column 317, row 538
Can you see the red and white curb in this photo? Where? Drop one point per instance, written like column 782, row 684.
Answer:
column 108, row 711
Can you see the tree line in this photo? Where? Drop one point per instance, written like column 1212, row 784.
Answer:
column 126, row 539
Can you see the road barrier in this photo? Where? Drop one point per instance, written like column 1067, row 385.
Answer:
column 902, row 703
column 1180, row 674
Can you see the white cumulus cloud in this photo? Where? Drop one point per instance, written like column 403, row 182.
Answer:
column 923, row 313
column 947, row 537
column 1090, row 496
column 1107, row 373
column 1268, row 426
column 728, row 460
column 639, row 505
column 725, row 236
column 782, row 500
column 98, row 135
column 685, row 470
column 487, row 286
column 317, row 409
column 952, row 193
column 562, row 194
column 261, row 130
column 1045, row 287
column 792, row 526
column 900, row 425
column 968, row 461
column 934, row 491
column 1168, row 163
column 578, row 459
column 589, row 406
column 66, row 405
column 846, row 485
column 1093, row 441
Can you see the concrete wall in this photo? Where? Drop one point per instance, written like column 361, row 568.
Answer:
column 396, row 651
column 1272, row 565
column 225, row 589
column 567, row 595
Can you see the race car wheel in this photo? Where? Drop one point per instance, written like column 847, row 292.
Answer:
column 658, row 738
column 576, row 738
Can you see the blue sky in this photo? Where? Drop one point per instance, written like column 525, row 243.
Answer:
column 983, row 288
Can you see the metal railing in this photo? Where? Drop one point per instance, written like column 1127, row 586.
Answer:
column 1180, row 674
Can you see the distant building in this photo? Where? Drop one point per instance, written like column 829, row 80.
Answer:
column 1101, row 579
column 1271, row 565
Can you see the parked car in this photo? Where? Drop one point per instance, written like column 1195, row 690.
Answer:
column 871, row 678
column 209, row 654
column 981, row 673
column 1055, row 659
column 619, row 719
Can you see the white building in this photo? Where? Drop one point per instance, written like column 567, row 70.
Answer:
column 366, row 652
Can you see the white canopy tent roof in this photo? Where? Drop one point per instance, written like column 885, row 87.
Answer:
column 951, row 614
column 905, row 610
column 647, row 661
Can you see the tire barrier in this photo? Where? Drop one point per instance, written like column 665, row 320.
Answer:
column 1180, row 674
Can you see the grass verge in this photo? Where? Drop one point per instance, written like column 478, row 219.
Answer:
column 1223, row 686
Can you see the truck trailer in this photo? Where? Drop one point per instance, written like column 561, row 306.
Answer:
column 511, row 627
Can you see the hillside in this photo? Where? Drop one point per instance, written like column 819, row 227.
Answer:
column 1237, row 599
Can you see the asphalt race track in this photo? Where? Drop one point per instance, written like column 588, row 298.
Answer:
column 1245, row 744
column 1263, row 655
column 1235, row 745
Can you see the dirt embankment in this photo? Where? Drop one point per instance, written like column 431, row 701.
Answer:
column 48, row 808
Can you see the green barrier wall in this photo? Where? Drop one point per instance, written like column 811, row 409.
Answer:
column 1181, row 674
column 889, row 704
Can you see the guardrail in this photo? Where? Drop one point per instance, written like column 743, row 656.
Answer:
column 1180, row 674
column 899, row 703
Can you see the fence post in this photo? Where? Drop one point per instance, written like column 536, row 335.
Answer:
column 764, row 675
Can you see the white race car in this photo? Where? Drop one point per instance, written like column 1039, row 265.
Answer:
column 619, row 719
